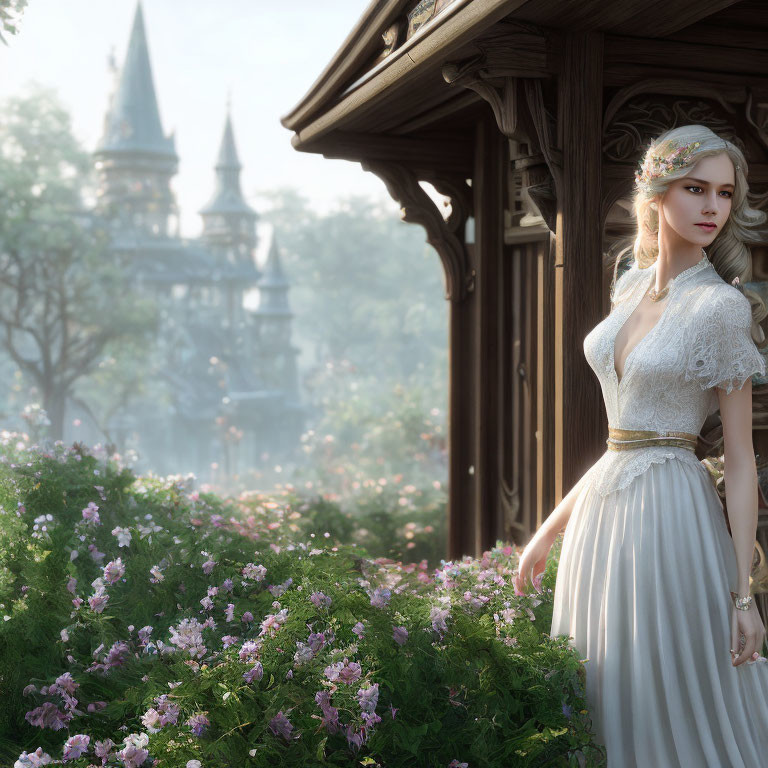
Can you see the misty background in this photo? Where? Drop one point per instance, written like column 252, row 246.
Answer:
column 329, row 374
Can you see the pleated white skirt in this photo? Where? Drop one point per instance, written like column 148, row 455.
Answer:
column 642, row 590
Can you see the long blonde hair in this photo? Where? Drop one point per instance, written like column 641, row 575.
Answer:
column 729, row 252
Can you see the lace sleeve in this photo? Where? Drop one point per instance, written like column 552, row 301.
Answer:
column 722, row 352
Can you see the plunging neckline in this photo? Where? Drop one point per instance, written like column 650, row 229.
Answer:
column 671, row 283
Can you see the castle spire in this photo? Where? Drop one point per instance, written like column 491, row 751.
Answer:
column 133, row 122
column 228, row 196
column 273, row 286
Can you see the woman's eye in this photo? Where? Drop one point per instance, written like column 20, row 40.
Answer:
column 730, row 194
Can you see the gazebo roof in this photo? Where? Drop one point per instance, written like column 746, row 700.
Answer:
column 360, row 93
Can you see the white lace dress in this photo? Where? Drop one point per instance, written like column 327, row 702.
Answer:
column 647, row 563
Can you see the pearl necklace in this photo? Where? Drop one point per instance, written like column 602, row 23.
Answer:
column 655, row 295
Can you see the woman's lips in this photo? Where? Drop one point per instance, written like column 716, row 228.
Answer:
column 707, row 227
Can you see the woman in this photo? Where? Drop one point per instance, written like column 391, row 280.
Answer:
column 651, row 587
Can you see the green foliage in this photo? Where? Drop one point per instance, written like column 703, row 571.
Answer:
column 10, row 15
column 476, row 680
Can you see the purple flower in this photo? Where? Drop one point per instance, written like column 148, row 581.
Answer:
column 319, row 600
column 255, row 572
column 344, row 671
column 228, row 640
column 230, row 612
column 438, row 617
column 249, row 651
column 48, row 715
column 75, row 746
column 247, row 617
column 72, row 584
column 359, row 629
column 400, row 634
column 380, row 597
column 368, row 697
column 208, row 566
column 254, row 673
column 280, row 725
column 198, row 724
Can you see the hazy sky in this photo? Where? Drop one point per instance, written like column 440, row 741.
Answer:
column 266, row 53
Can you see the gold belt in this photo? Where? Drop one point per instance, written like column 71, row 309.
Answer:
column 624, row 439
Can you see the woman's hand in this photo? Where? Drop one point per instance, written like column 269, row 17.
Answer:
column 532, row 563
column 749, row 624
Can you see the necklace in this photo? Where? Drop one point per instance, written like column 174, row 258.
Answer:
column 655, row 295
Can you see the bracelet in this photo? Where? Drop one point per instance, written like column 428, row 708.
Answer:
column 742, row 603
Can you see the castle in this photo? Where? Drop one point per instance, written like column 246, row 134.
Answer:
column 226, row 370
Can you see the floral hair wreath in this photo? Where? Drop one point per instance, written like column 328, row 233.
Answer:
column 672, row 157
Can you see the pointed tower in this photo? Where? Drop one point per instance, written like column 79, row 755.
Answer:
column 273, row 319
column 135, row 160
column 229, row 223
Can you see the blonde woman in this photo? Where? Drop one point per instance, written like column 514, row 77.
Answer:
column 651, row 588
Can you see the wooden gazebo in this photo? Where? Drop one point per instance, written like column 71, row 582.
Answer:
column 531, row 118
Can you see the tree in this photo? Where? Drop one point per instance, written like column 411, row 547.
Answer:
column 10, row 12
column 64, row 295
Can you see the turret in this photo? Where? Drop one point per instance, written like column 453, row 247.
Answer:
column 135, row 160
column 229, row 223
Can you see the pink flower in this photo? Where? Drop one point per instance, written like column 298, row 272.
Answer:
column 230, row 612
column 98, row 600
column 102, row 748
column 208, row 566
column 91, row 514
column 75, row 746
column 114, row 571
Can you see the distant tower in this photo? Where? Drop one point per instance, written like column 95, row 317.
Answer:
column 134, row 159
column 273, row 318
column 229, row 223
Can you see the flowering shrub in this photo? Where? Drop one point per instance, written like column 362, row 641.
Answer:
column 150, row 625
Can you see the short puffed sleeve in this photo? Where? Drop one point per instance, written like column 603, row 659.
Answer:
column 722, row 352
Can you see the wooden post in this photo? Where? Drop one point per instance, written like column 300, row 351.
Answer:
column 490, row 171
column 578, row 261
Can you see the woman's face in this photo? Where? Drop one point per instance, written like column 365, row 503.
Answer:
column 702, row 197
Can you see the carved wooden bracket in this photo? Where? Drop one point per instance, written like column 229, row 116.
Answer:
column 507, row 72
column 446, row 236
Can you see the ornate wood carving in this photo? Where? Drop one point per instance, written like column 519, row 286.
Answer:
column 507, row 52
column 445, row 235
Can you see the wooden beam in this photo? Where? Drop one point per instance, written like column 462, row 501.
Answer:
column 445, row 154
column 629, row 53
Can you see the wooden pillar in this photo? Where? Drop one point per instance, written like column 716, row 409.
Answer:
column 578, row 261
column 490, row 171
